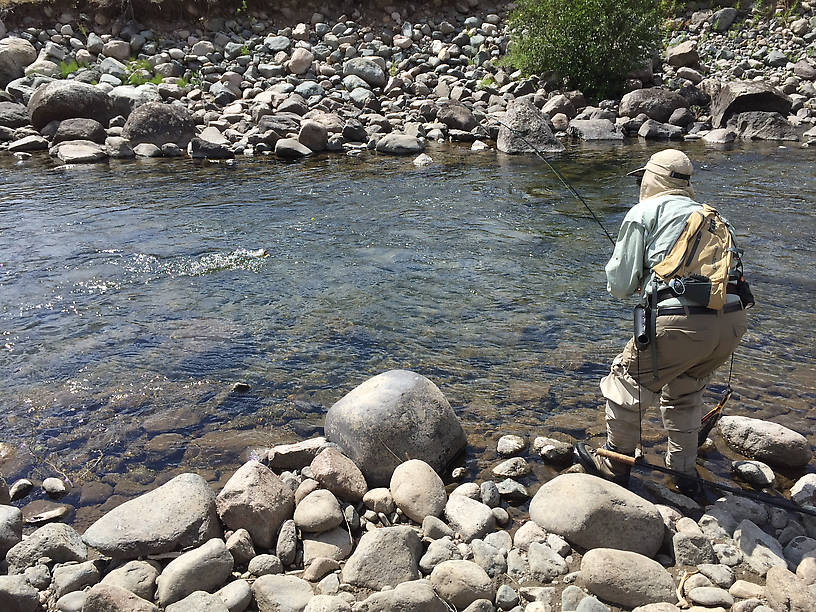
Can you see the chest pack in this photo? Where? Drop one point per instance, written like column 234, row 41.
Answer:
column 697, row 265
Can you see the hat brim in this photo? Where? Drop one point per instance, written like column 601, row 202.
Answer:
column 638, row 172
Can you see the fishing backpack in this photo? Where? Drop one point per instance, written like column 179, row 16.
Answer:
column 698, row 263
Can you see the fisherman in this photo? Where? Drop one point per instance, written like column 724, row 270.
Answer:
column 689, row 341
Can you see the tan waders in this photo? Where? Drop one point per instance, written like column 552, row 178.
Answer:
column 689, row 350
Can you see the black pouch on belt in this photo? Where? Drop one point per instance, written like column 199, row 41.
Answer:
column 641, row 316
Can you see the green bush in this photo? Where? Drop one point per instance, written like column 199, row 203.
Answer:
column 592, row 44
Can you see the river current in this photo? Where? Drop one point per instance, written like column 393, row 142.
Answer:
column 135, row 294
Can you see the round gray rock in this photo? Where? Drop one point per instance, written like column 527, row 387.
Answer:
column 471, row 518
column 367, row 69
column 158, row 123
column 766, row 441
column 591, row 512
column 392, row 417
column 418, row 490
column 179, row 514
column 460, row 583
column 61, row 100
column 205, row 568
column 108, row 598
column 399, row 144
column 277, row 593
column 57, row 541
column 138, row 577
column 319, row 511
column 625, row 578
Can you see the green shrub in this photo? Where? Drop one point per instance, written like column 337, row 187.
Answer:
column 67, row 68
column 592, row 44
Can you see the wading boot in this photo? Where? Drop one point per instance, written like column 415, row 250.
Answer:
column 601, row 466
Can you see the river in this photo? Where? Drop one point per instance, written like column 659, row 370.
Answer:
column 135, row 294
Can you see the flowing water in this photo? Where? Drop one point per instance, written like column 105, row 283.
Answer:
column 134, row 295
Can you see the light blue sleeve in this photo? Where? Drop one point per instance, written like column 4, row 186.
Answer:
column 625, row 268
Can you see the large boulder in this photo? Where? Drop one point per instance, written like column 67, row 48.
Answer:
column 766, row 441
column 15, row 55
column 526, row 129
column 741, row 96
column 393, row 417
column 418, row 490
column 157, row 123
column 386, row 556
column 654, row 102
column 625, row 578
column 761, row 125
column 255, row 499
column 61, row 100
column 590, row 512
column 56, row 541
column 179, row 514
column 367, row 69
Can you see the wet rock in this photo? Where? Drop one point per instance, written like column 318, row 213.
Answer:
column 386, row 556
column 720, row 136
column 18, row 490
column 335, row 544
column 11, row 528
column 57, row 541
column 79, row 152
column 15, row 55
column 28, row 144
column 553, row 450
column 524, row 122
column 277, row 593
column 367, row 69
column 205, row 568
column 399, row 144
column 255, row 499
column 291, row 148
column 759, row 125
column 204, row 149
column 580, row 508
column 392, row 415
column 785, row 591
column 236, row 595
column 418, row 490
column 594, row 129
column 511, row 445
column 755, row 473
column 118, row 148
column 460, row 583
column 158, row 123
column 17, row 595
column 470, row 518
column 110, row 598
column 626, row 578
column 295, row 456
column 514, row 467
column 138, row 577
column 683, row 54
column 766, row 441
column 733, row 98
column 656, row 103
column 61, row 100
column 761, row 551
column 13, row 115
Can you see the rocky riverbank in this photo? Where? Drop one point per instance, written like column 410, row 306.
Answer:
column 88, row 89
column 307, row 528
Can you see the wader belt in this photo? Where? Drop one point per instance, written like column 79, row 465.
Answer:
column 692, row 310
column 666, row 292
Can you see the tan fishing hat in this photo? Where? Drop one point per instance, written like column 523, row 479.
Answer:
column 670, row 163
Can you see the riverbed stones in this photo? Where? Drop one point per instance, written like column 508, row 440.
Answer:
column 79, row 129
column 683, row 54
column 413, row 596
column 626, row 578
column 71, row 577
column 456, row 116
column 111, row 598
column 392, row 417
column 319, row 511
column 368, row 69
column 158, row 123
column 399, row 144
column 278, row 593
column 205, row 568
column 255, row 499
column 418, row 490
column 470, row 518
column 761, row 125
column 179, row 514
column 11, row 528
column 766, row 441
column 80, row 152
column 384, row 557
column 240, row 546
column 525, row 122
column 59, row 100
column 654, row 102
column 761, row 550
column 296, row 455
column 787, row 592
column 339, row 474
column 56, row 541
column 13, row 115
column 741, row 96
column 545, row 563
column 460, row 583
column 138, row 577
column 580, row 508
column 335, row 544
column 755, row 473
column 301, row 61
column 313, row 135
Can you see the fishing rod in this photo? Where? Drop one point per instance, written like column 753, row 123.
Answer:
column 639, row 462
column 557, row 173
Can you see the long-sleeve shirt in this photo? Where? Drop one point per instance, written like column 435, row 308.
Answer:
column 648, row 231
